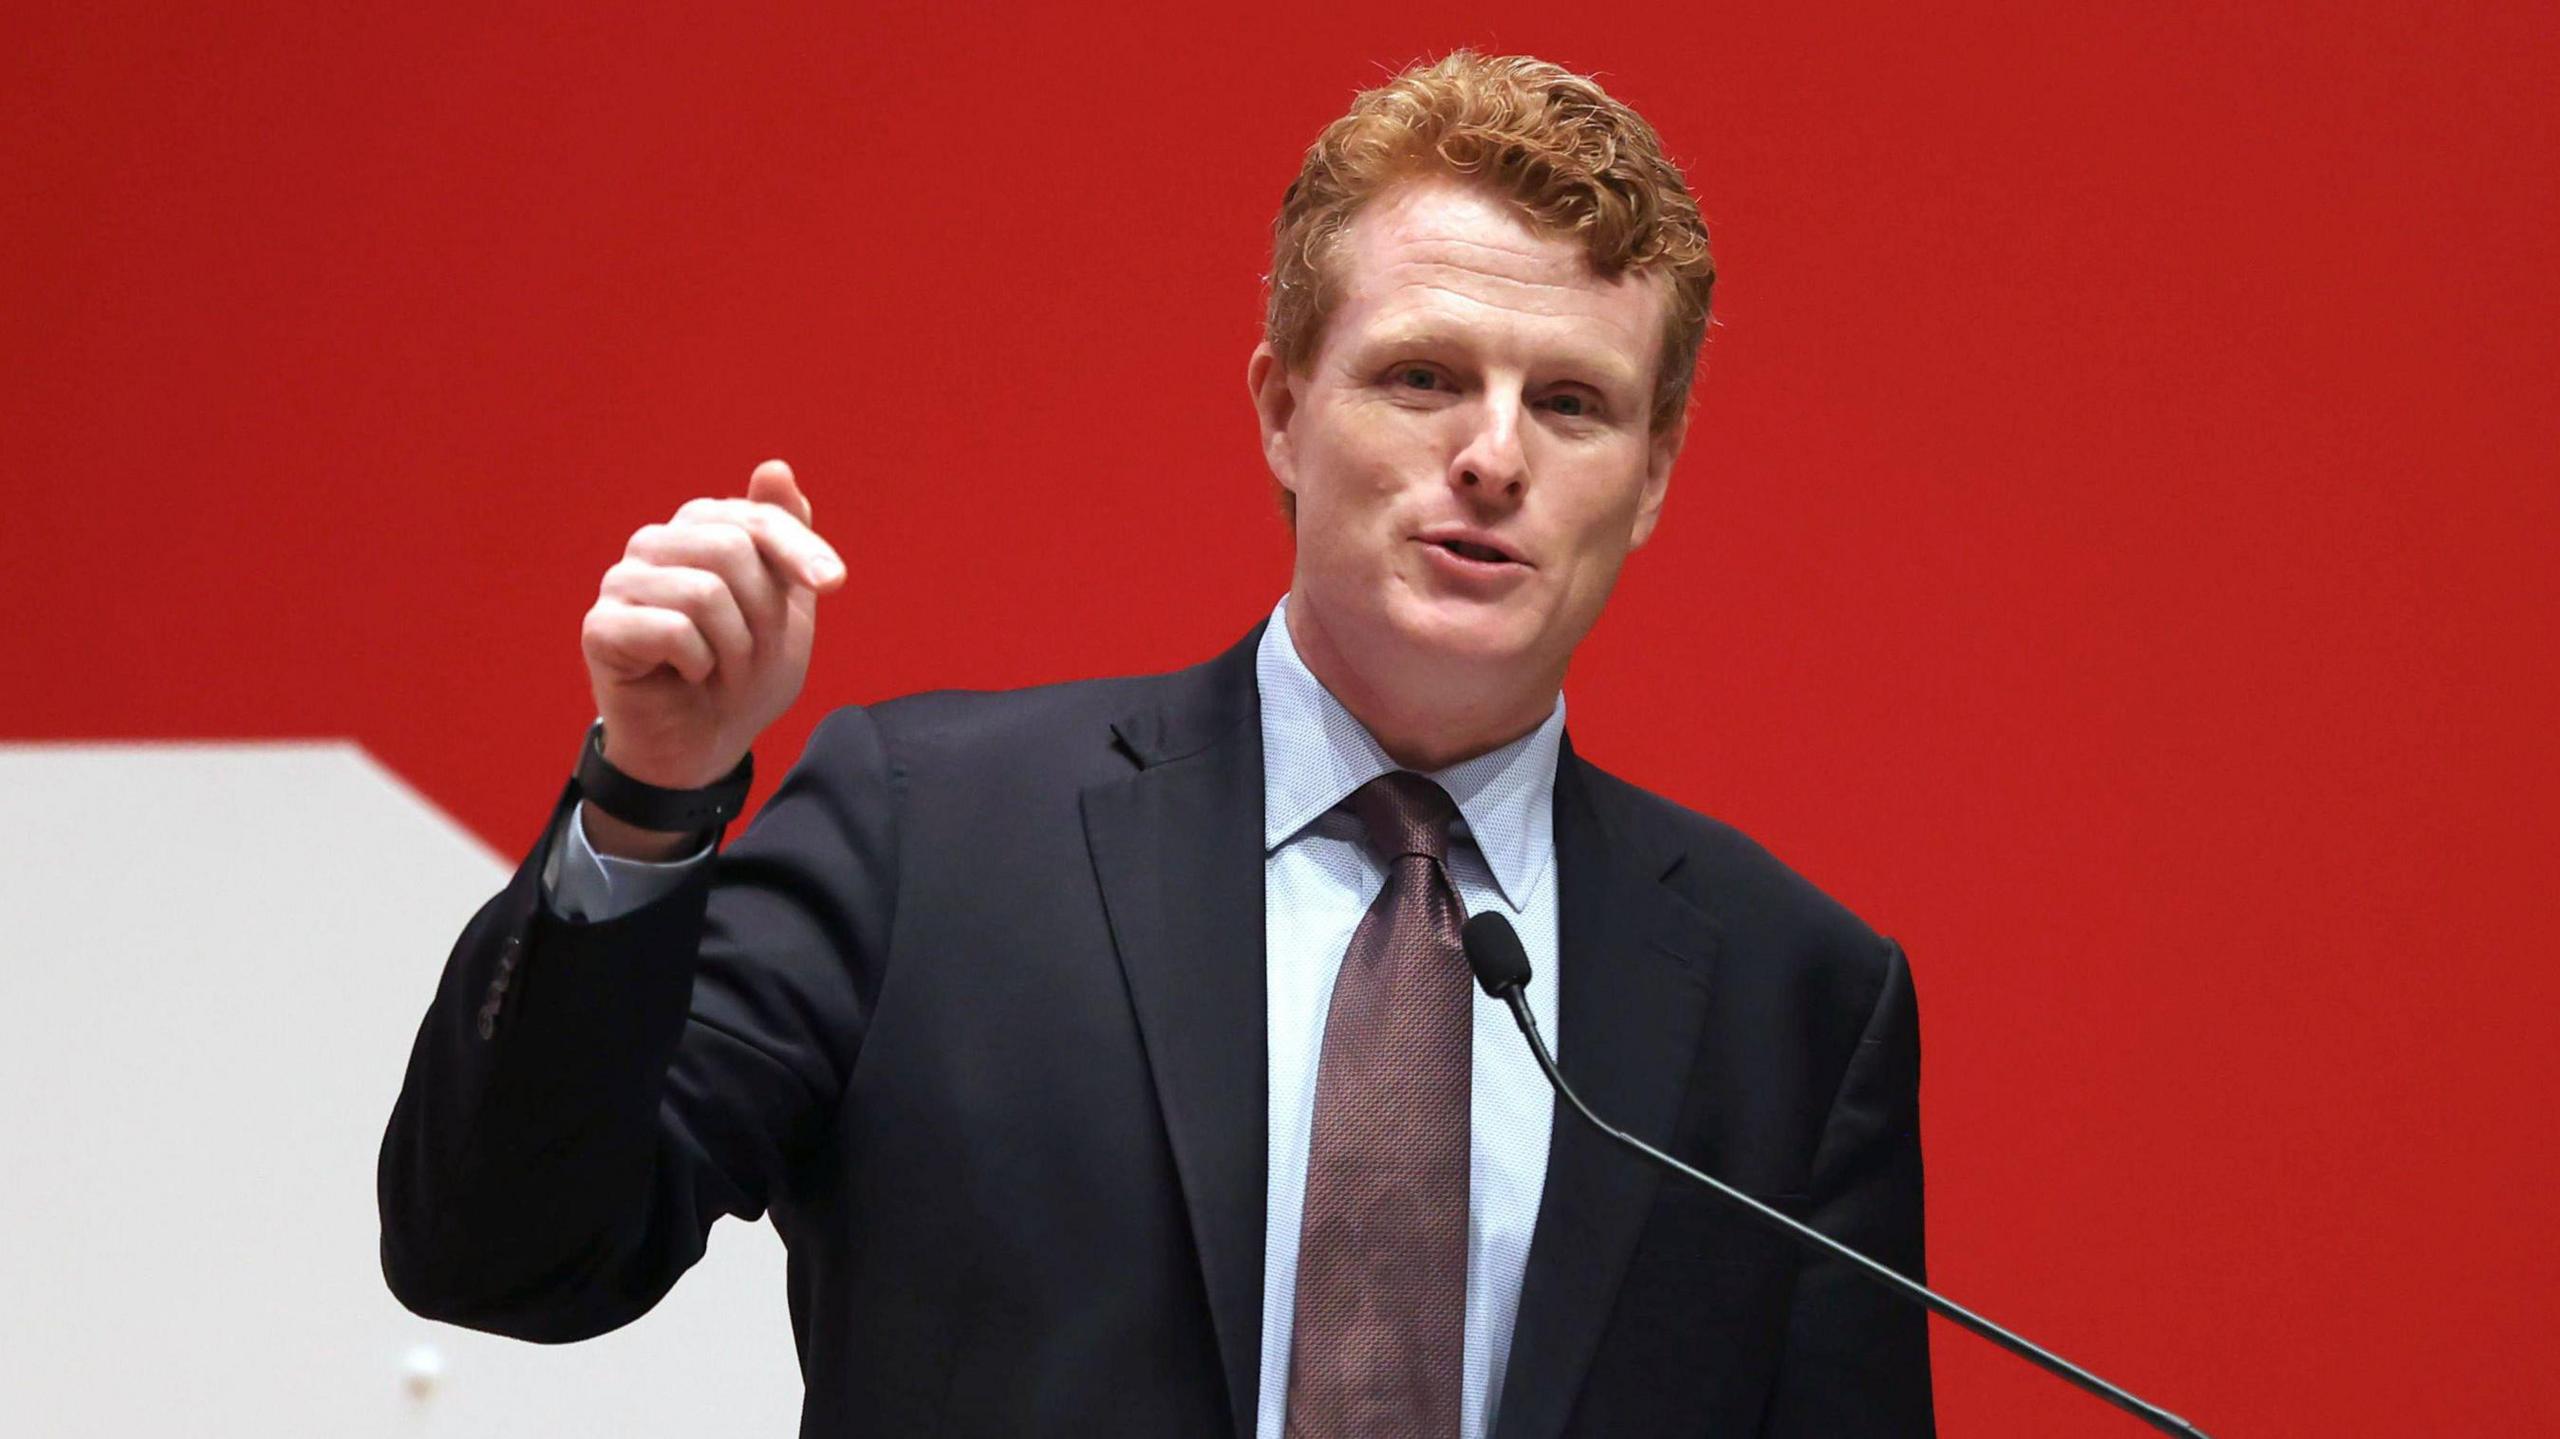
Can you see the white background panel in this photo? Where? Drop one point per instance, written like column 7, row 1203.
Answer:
column 212, row 960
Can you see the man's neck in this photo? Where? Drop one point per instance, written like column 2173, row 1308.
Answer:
column 1427, row 733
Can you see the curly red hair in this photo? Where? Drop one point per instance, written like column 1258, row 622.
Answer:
column 1577, row 163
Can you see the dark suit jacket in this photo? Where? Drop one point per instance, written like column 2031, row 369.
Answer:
column 975, row 1012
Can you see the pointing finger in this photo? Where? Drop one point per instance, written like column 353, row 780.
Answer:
column 774, row 484
column 792, row 548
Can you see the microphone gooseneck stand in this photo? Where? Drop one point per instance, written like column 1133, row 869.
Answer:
column 1502, row 967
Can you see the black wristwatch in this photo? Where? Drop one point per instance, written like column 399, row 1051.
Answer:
column 650, row 806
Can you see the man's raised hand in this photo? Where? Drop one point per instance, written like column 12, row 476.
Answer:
column 700, row 636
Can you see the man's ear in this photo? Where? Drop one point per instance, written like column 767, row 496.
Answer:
column 1275, row 402
column 1660, row 453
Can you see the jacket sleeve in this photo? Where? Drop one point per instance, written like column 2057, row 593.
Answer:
column 1857, row 1357
column 584, row 1100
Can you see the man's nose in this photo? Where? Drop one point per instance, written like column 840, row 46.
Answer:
column 1492, row 463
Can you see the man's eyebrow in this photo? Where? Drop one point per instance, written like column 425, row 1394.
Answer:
column 1606, row 365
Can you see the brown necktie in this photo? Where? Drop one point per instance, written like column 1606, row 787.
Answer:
column 1380, row 1326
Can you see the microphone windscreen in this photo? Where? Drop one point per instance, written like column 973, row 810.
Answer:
column 1494, row 953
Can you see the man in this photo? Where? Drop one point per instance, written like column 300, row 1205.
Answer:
column 1103, row 1052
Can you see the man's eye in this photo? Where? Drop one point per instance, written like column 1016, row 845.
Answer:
column 1418, row 377
column 1570, row 404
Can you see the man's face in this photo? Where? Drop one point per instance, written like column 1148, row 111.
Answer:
column 1468, row 450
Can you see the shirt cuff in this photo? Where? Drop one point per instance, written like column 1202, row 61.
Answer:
column 580, row 884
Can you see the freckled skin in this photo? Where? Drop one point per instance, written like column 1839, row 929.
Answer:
column 1480, row 374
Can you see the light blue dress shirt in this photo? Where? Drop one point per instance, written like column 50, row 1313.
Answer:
column 1319, row 878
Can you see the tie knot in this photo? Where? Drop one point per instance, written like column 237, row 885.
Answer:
column 1405, row 814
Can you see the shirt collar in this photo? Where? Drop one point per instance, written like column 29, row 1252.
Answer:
column 1314, row 754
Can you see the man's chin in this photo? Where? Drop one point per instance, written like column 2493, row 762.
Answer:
column 1441, row 641
column 1467, row 633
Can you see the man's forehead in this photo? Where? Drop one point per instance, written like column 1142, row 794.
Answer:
column 1428, row 262
column 1445, row 222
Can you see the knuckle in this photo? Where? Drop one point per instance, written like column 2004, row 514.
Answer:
column 729, row 544
column 615, row 634
column 700, row 589
column 621, row 620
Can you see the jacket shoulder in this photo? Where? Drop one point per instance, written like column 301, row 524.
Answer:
column 1755, row 897
column 1074, row 730
column 966, row 720
column 990, row 740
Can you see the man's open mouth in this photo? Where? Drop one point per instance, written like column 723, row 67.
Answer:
column 1481, row 554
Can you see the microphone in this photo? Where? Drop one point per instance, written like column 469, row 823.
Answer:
column 1502, row 967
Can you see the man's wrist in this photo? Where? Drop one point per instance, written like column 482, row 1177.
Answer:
column 646, row 809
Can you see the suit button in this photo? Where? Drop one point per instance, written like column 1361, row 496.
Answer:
column 488, row 1025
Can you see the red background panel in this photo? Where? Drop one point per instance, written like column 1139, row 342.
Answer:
column 2114, row 553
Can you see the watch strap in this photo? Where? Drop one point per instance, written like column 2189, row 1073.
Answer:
column 649, row 806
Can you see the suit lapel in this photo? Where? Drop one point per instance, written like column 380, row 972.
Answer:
column 1635, row 962
column 1177, row 849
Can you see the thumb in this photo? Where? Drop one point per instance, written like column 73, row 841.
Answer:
column 773, row 484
